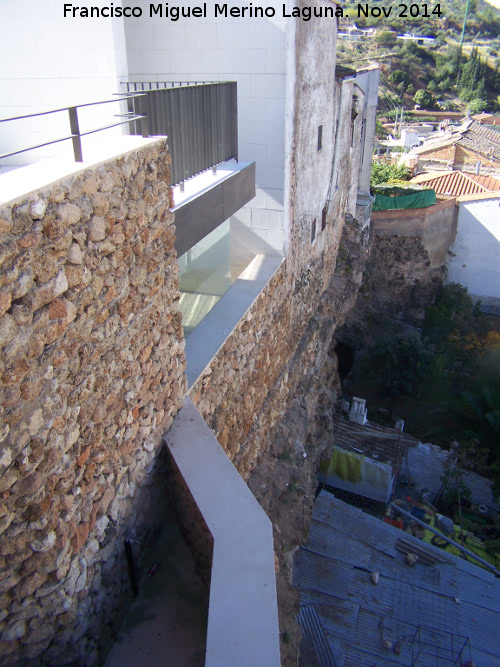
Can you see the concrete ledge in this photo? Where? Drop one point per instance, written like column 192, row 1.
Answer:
column 214, row 329
column 201, row 213
column 20, row 181
column 243, row 625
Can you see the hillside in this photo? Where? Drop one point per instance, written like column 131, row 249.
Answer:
column 448, row 77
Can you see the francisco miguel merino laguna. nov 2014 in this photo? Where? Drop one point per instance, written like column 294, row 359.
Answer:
column 173, row 13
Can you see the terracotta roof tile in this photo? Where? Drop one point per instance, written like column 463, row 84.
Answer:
column 457, row 183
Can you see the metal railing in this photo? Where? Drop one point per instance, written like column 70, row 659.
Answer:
column 200, row 120
column 137, row 117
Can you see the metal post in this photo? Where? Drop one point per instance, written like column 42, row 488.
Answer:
column 143, row 105
column 131, row 566
column 75, row 132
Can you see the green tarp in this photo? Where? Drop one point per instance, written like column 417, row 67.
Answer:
column 411, row 200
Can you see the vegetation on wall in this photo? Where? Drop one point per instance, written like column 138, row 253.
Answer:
column 452, row 364
column 387, row 173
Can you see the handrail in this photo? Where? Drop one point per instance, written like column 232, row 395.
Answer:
column 76, row 134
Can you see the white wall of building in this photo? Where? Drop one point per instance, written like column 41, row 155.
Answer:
column 368, row 81
column 251, row 52
column 474, row 255
column 47, row 62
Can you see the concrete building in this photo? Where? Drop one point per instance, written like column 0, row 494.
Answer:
column 93, row 351
column 473, row 256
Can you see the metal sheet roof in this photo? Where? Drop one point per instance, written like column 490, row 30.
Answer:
column 447, row 605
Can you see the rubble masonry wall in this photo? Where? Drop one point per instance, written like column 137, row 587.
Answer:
column 91, row 376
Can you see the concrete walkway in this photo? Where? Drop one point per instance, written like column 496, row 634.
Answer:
column 243, row 626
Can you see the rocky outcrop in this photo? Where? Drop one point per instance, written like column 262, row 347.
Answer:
column 300, row 426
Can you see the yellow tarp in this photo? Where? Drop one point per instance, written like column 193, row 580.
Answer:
column 344, row 464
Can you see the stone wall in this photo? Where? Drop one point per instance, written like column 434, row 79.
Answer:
column 436, row 225
column 407, row 264
column 92, row 374
column 245, row 391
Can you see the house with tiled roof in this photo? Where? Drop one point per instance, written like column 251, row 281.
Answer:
column 486, row 118
column 462, row 148
column 457, row 183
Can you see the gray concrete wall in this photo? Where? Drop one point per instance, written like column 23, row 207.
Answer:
column 243, row 613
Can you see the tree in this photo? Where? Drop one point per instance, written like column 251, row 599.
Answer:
column 398, row 364
column 424, row 99
column 398, row 76
column 385, row 38
column 382, row 173
column 476, row 106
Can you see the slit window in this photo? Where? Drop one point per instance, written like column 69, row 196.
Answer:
column 313, row 230
column 323, row 218
column 320, row 137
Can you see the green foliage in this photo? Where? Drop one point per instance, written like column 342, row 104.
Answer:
column 396, row 188
column 466, row 344
column 386, row 38
column 397, row 364
column 398, row 76
column 424, row 99
column 476, row 106
column 382, row 173
column 471, row 79
column 453, row 310
column 380, row 130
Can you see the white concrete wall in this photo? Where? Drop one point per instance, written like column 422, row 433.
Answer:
column 251, row 52
column 48, row 61
column 368, row 81
column 474, row 255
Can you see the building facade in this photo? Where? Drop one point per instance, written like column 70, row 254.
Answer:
column 93, row 349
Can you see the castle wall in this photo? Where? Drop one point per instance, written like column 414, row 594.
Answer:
column 92, row 374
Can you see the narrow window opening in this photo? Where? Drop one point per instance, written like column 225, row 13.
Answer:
column 313, row 231
column 320, row 137
column 323, row 218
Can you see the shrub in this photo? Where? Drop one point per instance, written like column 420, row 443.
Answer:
column 424, row 99
column 385, row 38
column 476, row 106
column 381, row 173
column 398, row 76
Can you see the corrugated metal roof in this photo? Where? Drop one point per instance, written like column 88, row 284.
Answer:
column 313, row 632
column 449, row 602
column 380, row 443
column 322, row 574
